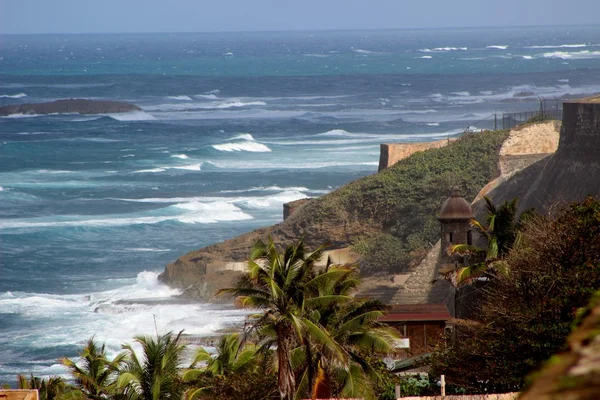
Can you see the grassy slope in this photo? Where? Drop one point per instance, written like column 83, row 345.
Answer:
column 403, row 201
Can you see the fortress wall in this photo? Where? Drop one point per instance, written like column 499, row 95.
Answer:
column 391, row 153
column 580, row 134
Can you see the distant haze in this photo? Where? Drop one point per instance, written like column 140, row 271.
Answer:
column 88, row 16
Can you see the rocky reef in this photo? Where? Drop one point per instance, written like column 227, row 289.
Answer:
column 70, row 106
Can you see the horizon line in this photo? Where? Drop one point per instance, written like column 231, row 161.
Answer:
column 305, row 30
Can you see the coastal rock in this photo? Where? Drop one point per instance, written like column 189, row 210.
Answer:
column 70, row 106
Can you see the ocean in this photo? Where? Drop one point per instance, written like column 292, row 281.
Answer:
column 92, row 207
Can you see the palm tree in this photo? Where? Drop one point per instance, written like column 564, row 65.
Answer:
column 233, row 355
column 286, row 287
column 96, row 377
column 154, row 376
column 353, row 325
column 503, row 232
column 48, row 389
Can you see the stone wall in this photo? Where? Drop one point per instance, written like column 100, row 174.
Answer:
column 573, row 172
column 391, row 153
column 528, row 144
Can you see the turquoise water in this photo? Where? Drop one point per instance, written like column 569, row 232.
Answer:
column 233, row 126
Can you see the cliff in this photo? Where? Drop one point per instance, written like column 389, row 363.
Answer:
column 70, row 106
column 570, row 174
column 398, row 203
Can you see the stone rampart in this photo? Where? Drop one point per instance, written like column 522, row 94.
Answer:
column 391, row 153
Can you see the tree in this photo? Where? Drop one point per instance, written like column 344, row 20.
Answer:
column 49, row 389
column 96, row 377
column 154, row 376
column 502, row 233
column 353, row 326
column 286, row 286
column 525, row 316
column 232, row 355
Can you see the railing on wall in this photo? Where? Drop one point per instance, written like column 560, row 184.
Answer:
column 548, row 109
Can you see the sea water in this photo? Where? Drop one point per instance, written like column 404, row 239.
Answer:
column 92, row 207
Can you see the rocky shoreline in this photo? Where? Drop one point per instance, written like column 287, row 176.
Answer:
column 70, row 106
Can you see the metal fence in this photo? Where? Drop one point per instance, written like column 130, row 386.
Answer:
column 549, row 109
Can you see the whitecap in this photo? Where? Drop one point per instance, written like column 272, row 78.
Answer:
column 132, row 116
column 250, row 146
column 560, row 46
column 235, row 104
column 147, row 249
column 210, row 96
column 497, row 47
column 181, row 156
column 426, row 57
column 192, row 167
column 181, row 97
column 528, row 57
column 152, row 170
column 243, row 136
column 13, row 96
column 577, row 55
column 443, row 49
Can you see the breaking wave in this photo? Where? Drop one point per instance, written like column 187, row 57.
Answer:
column 243, row 142
column 13, row 96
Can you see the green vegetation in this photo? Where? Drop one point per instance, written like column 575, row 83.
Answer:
column 525, row 315
column 403, row 200
column 309, row 338
column 502, row 233
column 321, row 332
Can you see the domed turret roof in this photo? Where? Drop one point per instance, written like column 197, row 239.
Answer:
column 455, row 207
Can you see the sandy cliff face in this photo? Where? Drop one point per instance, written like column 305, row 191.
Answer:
column 570, row 174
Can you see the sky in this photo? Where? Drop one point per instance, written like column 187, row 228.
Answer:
column 120, row 16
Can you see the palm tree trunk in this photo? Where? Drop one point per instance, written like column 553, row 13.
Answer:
column 285, row 379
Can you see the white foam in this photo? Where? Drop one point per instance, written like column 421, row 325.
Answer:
column 147, row 249
column 235, row 104
column 497, row 47
column 132, row 116
column 197, row 212
column 426, row 57
column 560, row 46
column 151, row 170
column 206, row 96
column 13, row 96
column 362, row 51
column 577, row 55
column 181, row 156
column 242, row 142
column 182, row 98
column 528, row 57
column 192, row 167
column 243, row 136
column 443, row 49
